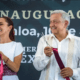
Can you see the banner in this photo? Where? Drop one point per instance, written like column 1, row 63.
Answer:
column 31, row 18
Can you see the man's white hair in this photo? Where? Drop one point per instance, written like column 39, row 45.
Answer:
column 65, row 15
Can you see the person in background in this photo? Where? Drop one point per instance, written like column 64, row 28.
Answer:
column 10, row 50
column 68, row 49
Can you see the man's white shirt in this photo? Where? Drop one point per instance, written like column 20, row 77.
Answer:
column 41, row 60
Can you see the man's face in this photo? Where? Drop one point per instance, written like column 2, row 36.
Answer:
column 57, row 23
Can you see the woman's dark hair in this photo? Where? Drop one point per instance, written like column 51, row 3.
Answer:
column 10, row 22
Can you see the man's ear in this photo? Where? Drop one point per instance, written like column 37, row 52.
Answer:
column 66, row 23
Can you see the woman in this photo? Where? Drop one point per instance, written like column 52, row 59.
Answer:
column 10, row 50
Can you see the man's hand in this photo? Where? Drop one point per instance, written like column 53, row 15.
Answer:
column 66, row 72
column 48, row 51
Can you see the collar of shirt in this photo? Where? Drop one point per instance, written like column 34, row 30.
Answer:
column 69, row 36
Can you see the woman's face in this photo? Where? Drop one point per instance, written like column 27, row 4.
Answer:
column 4, row 28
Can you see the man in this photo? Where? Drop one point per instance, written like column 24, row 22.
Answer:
column 68, row 50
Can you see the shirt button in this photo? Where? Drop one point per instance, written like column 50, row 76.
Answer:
column 56, row 70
